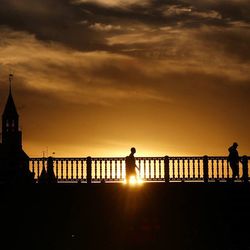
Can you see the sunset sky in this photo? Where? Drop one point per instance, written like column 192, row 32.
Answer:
column 96, row 77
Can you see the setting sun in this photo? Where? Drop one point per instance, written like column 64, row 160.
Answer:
column 133, row 180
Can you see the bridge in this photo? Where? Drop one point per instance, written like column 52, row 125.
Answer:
column 152, row 169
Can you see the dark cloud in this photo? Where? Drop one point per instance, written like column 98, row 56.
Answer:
column 51, row 21
column 86, row 25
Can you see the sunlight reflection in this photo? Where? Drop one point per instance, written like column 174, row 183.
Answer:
column 133, row 180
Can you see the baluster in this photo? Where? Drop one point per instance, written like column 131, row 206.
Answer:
column 57, row 169
column 199, row 169
column 173, row 168
column 183, row 169
column 178, row 169
column 121, row 171
column 71, row 163
column 217, row 169
column 147, row 169
column 163, row 168
column 143, row 169
column 155, row 176
column 67, row 170
column 60, row 164
column 105, row 170
column 82, row 169
column 79, row 170
column 212, row 168
column 77, row 176
column 100, row 162
column 228, row 175
column 116, row 174
column 95, row 169
column 112, row 169
column 139, row 166
column 222, row 169
column 188, row 168
column 160, row 169
column 193, row 162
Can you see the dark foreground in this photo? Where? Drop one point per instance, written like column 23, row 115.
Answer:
column 113, row 216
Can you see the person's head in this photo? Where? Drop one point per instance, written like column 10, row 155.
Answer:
column 133, row 150
column 235, row 144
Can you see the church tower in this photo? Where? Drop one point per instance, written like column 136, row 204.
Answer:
column 11, row 136
column 14, row 162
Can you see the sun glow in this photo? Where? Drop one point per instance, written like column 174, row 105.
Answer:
column 133, row 180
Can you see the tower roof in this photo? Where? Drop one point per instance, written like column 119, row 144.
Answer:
column 10, row 107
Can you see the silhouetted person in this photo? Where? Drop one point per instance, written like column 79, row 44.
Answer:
column 43, row 176
column 51, row 178
column 130, row 165
column 234, row 159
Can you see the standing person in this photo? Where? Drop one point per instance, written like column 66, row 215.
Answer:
column 130, row 165
column 51, row 178
column 234, row 159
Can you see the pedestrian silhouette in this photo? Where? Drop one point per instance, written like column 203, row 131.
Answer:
column 130, row 165
column 48, row 177
column 234, row 159
column 42, row 179
column 51, row 178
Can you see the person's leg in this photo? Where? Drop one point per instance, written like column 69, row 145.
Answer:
column 233, row 171
column 127, row 176
column 237, row 170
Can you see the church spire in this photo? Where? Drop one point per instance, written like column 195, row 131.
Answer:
column 10, row 107
column 10, row 121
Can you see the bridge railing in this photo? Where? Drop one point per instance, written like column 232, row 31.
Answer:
column 152, row 169
column 65, row 169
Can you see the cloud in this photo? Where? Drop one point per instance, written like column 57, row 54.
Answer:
column 104, row 27
column 173, row 10
column 191, row 49
column 83, row 77
column 58, row 21
column 115, row 3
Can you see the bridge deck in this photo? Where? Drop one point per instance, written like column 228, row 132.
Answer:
column 153, row 216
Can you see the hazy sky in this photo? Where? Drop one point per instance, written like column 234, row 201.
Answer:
column 95, row 77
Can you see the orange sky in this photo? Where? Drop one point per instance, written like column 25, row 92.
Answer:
column 97, row 77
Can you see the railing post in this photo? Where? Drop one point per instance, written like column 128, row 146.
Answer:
column 89, row 177
column 245, row 168
column 205, row 168
column 166, row 168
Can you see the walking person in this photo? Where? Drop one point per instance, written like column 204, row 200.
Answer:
column 234, row 159
column 131, row 166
